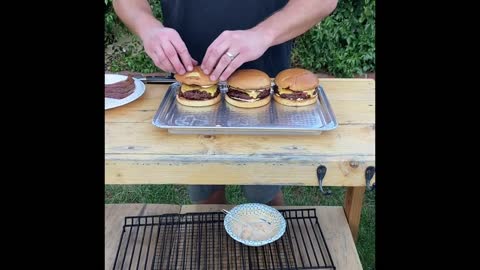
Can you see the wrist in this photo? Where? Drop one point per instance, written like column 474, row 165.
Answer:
column 268, row 35
column 145, row 25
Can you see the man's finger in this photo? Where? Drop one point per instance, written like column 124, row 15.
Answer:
column 172, row 55
column 234, row 65
column 216, row 52
column 182, row 50
column 221, row 65
column 161, row 60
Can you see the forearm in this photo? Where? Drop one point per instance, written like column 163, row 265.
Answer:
column 136, row 15
column 294, row 19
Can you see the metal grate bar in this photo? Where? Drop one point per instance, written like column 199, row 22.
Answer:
column 199, row 241
column 141, row 247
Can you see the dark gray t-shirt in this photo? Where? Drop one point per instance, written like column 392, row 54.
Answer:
column 200, row 22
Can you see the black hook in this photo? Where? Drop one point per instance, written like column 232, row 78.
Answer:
column 321, row 171
column 369, row 173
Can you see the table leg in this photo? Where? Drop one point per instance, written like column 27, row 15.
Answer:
column 353, row 208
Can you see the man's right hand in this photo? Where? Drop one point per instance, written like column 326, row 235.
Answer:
column 164, row 46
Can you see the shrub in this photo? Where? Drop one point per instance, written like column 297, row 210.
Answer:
column 123, row 50
column 343, row 44
column 114, row 28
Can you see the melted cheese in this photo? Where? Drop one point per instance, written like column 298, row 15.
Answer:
column 286, row 91
column 209, row 88
column 254, row 94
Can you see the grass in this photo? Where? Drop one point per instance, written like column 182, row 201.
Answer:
column 294, row 195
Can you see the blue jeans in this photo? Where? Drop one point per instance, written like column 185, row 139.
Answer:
column 253, row 193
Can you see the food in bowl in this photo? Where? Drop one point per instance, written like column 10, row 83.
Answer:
column 255, row 224
column 253, row 229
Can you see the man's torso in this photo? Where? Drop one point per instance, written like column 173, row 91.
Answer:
column 200, row 22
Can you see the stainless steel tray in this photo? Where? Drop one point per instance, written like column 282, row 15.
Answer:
column 223, row 118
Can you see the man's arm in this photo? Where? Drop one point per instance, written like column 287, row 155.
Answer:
column 296, row 18
column 162, row 44
column 291, row 21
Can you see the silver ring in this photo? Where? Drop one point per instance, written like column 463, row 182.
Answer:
column 231, row 55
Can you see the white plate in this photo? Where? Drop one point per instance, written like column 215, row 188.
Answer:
column 242, row 212
column 113, row 103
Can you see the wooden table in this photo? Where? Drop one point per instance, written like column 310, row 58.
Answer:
column 136, row 152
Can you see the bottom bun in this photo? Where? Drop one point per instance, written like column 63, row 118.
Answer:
column 199, row 103
column 295, row 103
column 246, row 104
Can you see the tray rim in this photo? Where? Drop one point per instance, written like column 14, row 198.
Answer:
column 327, row 127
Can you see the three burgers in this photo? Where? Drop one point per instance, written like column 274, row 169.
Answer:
column 249, row 88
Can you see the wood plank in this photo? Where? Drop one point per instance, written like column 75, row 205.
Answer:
column 352, row 91
column 354, row 111
column 144, row 138
column 352, row 100
column 194, row 208
column 233, row 170
column 336, row 89
column 353, row 208
column 334, row 227
column 114, row 221
column 349, row 89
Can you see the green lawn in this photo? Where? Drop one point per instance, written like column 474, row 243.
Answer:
column 293, row 196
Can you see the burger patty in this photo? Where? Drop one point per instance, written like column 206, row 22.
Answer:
column 198, row 95
column 119, row 95
column 233, row 93
column 120, row 90
column 294, row 96
column 120, row 87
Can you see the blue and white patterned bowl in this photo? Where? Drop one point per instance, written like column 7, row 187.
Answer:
column 253, row 212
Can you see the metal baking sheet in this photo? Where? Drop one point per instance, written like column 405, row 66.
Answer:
column 223, row 118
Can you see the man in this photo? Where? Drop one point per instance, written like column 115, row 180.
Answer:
column 223, row 36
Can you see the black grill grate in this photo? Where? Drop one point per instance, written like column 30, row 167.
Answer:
column 199, row 241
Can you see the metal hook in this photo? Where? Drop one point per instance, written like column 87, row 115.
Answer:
column 321, row 171
column 369, row 173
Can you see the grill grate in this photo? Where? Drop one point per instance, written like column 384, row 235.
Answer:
column 199, row 241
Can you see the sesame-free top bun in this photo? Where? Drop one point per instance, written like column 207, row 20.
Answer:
column 296, row 79
column 196, row 77
column 252, row 79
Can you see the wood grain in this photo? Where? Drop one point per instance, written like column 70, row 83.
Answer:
column 235, row 170
column 114, row 220
column 353, row 208
column 144, row 138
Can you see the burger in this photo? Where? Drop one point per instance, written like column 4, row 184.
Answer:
column 248, row 88
column 197, row 90
column 295, row 87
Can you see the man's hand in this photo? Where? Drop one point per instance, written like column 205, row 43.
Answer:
column 249, row 45
column 244, row 45
column 164, row 46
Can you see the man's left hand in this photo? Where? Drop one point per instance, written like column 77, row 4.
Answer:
column 231, row 49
